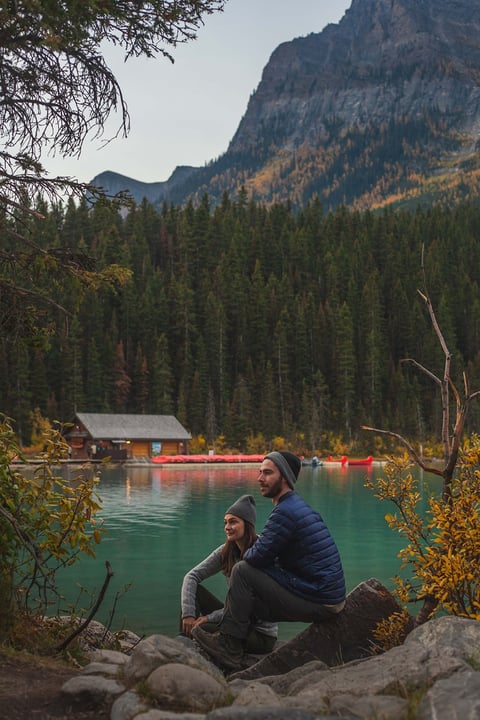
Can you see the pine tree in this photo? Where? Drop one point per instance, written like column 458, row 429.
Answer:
column 122, row 382
column 161, row 379
column 345, row 368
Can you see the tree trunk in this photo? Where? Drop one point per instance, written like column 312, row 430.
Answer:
column 6, row 605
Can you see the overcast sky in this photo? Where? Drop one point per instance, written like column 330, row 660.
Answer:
column 186, row 113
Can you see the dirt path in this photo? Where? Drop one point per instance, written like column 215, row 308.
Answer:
column 30, row 690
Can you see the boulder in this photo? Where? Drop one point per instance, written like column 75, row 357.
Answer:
column 182, row 688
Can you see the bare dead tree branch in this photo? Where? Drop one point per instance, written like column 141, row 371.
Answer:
column 418, row 365
column 446, row 381
column 451, row 443
column 61, row 646
column 411, row 450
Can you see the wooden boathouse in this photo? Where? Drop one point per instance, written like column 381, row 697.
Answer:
column 95, row 436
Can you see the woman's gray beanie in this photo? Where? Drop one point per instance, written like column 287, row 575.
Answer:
column 244, row 508
column 288, row 464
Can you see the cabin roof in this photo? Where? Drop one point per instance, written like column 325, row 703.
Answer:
column 117, row 426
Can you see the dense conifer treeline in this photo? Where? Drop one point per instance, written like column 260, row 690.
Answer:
column 246, row 321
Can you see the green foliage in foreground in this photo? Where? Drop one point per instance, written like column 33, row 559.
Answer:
column 46, row 523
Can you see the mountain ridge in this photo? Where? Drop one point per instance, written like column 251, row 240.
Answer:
column 380, row 108
column 114, row 183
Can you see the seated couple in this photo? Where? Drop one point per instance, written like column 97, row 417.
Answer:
column 291, row 572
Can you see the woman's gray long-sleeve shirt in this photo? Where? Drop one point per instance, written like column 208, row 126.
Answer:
column 207, row 568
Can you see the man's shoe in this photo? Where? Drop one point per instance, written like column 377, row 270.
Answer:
column 226, row 651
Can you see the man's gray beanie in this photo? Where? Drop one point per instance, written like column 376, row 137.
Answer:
column 244, row 508
column 288, row 464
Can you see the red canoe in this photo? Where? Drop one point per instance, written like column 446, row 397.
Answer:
column 365, row 461
column 344, row 460
column 340, row 461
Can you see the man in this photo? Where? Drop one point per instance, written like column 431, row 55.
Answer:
column 292, row 572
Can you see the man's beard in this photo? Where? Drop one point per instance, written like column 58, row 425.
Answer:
column 274, row 489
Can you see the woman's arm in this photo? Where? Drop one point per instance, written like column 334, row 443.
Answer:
column 208, row 567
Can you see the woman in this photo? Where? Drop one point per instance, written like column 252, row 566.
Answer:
column 199, row 606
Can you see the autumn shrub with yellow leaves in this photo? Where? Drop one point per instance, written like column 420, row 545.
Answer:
column 441, row 558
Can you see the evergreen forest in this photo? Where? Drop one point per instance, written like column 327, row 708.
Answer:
column 251, row 323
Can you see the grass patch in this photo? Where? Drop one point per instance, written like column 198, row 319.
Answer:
column 474, row 663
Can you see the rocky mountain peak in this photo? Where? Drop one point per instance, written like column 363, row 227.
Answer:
column 384, row 104
column 384, row 59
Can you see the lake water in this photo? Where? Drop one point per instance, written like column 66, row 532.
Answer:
column 163, row 521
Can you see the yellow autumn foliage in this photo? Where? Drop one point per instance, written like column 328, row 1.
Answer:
column 442, row 552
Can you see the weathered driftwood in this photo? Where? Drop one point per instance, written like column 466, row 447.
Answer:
column 348, row 636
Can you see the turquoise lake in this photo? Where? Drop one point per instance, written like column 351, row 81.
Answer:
column 162, row 521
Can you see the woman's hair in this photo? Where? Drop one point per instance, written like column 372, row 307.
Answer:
column 231, row 552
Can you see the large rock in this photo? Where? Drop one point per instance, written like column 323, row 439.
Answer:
column 453, row 698
column 441, row 656
column 91, row 690
column 347, row 636
column 179, row 687
column 157, row 650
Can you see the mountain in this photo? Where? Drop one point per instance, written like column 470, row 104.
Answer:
column 381, row 108
column 114, row 183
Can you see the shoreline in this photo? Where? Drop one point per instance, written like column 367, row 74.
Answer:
column 130, row 463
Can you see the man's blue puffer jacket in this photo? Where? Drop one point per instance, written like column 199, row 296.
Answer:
column 297, row 550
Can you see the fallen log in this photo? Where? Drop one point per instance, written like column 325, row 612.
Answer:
column 347, row 636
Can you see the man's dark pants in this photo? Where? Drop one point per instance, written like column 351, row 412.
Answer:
column 253, row 593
